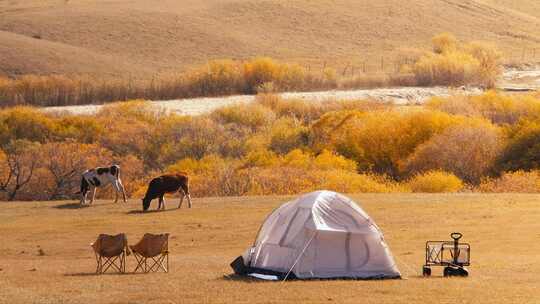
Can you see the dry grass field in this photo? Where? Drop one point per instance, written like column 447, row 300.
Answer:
column 503, row 229
column 138, row 38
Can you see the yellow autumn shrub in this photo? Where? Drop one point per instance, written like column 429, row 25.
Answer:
column 453, row 63
column 519, row 181
column 434, row 182
column 468, row 150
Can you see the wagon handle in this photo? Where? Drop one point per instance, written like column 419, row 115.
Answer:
column 456, row 236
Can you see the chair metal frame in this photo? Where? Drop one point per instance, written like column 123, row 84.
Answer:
column 106, row 263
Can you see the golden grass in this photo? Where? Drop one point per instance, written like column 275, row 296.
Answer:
column 503, row 230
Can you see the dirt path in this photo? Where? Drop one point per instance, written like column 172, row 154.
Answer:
column 198, row 106
column 523, row 78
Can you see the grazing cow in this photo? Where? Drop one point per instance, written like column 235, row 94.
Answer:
column 98, row 177
column 168, row 183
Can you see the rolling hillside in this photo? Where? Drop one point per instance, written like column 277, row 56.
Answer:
column 142, row 37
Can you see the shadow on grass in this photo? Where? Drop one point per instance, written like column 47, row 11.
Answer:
column 243, row 278
column 93, row 274
column 150, row 211
column 71, row 206
column 433, row 277
column 250, row 279
column 77, row 205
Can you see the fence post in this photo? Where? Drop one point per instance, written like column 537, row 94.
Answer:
column 345, row 70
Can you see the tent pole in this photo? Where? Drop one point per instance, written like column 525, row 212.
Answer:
column 299, row 256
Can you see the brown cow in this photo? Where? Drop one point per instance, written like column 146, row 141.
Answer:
column 168, row 183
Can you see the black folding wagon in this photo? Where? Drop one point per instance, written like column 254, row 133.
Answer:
column 452, row 255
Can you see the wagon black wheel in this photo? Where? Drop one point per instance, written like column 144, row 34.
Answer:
column 426, row 271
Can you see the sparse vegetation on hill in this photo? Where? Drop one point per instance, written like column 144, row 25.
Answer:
column 112, row 39
column 276, row 146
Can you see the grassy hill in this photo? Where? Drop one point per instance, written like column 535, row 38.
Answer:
column 45, row 255
column 143, row 37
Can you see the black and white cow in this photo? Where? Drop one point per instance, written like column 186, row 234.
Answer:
column 98, row 177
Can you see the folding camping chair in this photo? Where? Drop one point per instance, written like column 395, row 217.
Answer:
column 152, row 253
column 111, row 251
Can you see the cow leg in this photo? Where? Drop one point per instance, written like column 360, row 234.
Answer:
column 93, row 195
column 117, row 189
column 182, row 194
column 121, row 186
column 185, row 190
column 115, row 193
column 84, row 190
column 161, row 202
column 83, row 196
column 189, row 200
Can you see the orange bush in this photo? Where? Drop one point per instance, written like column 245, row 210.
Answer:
column 497, row 107
column 435, row 181
column 379, row 140
column 287, row 134
column 519, row 181
column 61, row 165
column 444, row 43
column 455, row 64
column 25, row 123
column 252, row 116
column 522, row 149
column 309, row 111
column 467, row 150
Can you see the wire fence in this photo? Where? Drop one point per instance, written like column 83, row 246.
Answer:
column 525, row 55
column 380, row 65
column 389, row 64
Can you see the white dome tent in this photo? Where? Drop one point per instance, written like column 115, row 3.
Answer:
column 321, row 234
